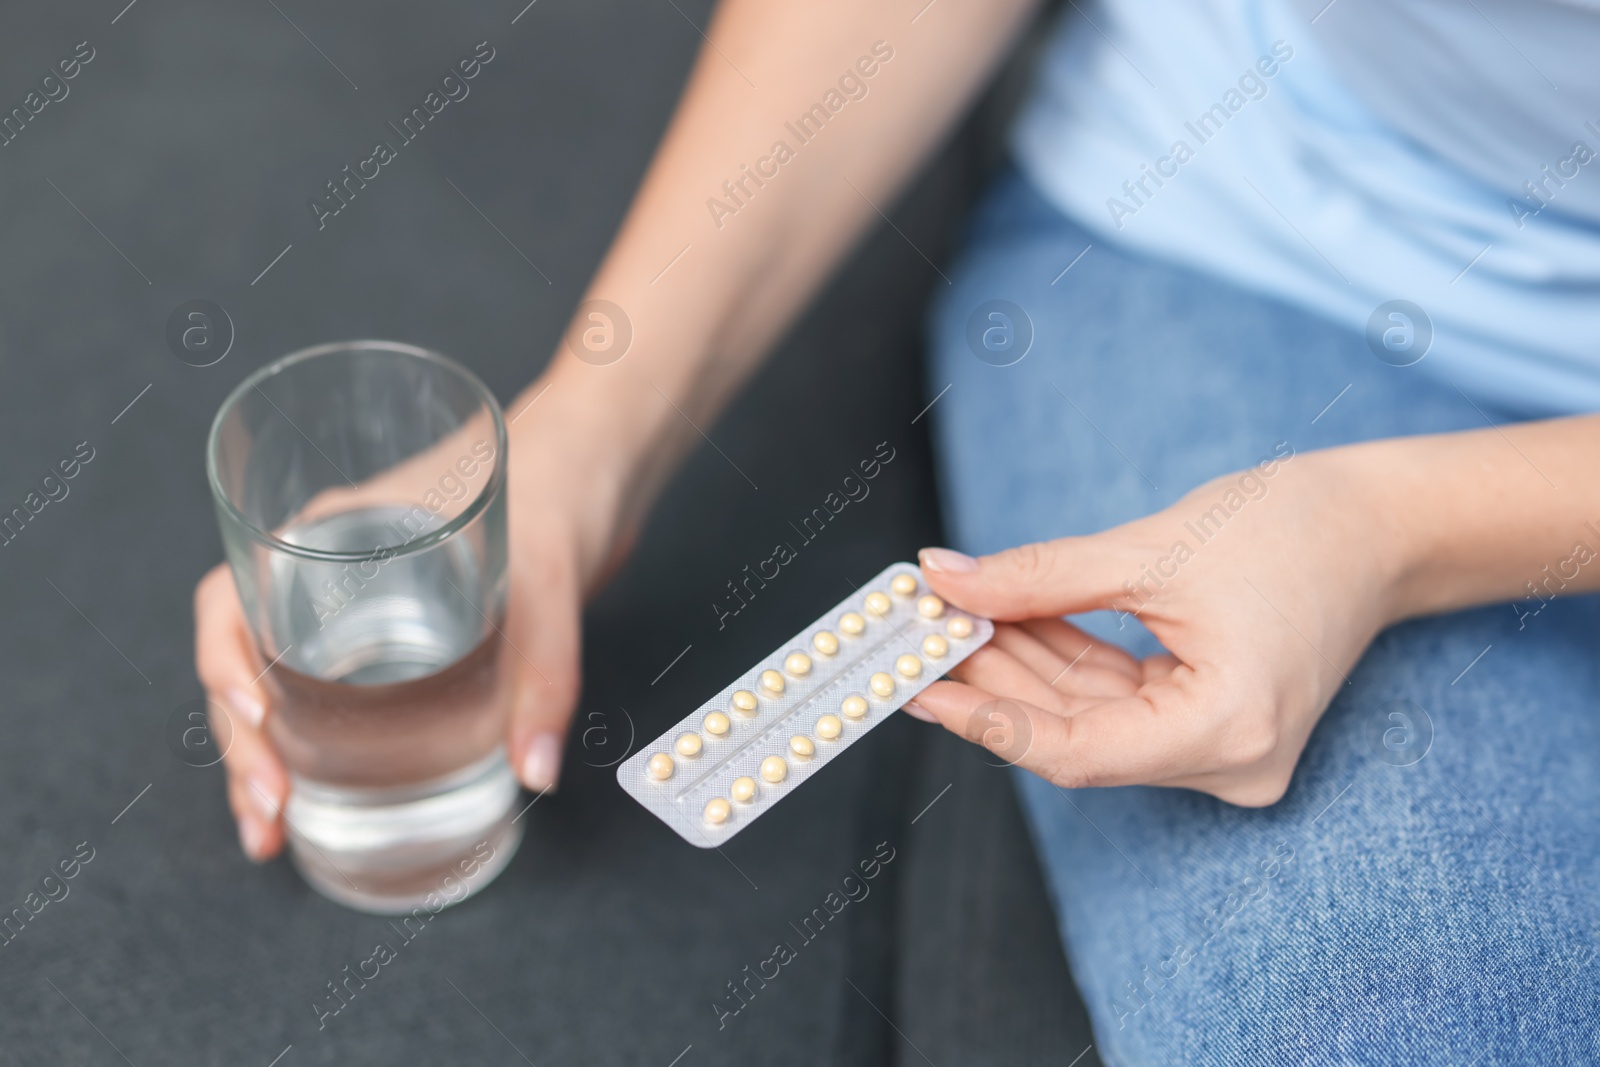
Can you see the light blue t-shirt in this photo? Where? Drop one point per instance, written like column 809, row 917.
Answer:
column 1344, row 155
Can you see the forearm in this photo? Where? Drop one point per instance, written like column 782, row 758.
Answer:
column 1499, row 514
column 701, row 325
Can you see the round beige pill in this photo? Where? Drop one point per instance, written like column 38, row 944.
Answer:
column 744, row 789
column 798, row 664
column 854, row 707
column 930, row 607
column 660, row 767
column 802, row 746
column 881, row 684
column 935, row 647
column 717, row 811
column 774, row 769
column 717, row 724
column 744, row 702
column 829, row 727
column 878, row 603
column 959, row 627
column 851, row 623
column 908, row 666
column 825, row 642
column 903, row 585
column 688, row 745
column 772, row 681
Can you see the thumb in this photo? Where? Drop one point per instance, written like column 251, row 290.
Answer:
column 1046, row 578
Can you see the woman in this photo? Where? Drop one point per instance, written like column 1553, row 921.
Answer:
column 1271, row 357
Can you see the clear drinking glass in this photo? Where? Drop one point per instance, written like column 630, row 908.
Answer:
column 360, row 488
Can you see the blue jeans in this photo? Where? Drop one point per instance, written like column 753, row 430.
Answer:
column 1429, row 889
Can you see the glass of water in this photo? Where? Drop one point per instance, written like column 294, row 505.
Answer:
column 361, row 492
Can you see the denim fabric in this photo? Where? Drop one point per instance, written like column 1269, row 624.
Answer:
column 1429, row 890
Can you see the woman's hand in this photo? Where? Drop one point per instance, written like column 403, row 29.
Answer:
column 1265, row 587
column 563, row 506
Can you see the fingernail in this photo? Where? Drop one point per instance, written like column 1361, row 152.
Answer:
column 917, row 711
column 246, row 706
column 946, row 561
column 252, row 835
column 263, row 800
column 541, row 762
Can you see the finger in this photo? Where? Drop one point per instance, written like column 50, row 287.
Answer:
column 996, row 670
column 1069, row 642
column 1158, row 667
column 260, row 828
column 1126, row 741
column 228, row 666
column 1070, row 676
column 1029, row 651
column 1063, row 577
column 542, row 634
column 224, row 652
column 258, row 785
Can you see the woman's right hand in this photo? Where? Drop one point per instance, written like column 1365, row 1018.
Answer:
column 562, row 514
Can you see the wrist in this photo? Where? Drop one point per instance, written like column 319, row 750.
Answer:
column 1381, row 520
column 1397, row 521
column 590, row 444
column 566, row 460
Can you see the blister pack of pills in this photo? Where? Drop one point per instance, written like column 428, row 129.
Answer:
column 761, row 738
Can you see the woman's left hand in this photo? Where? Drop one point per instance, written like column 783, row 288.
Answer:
column 1264, row 587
